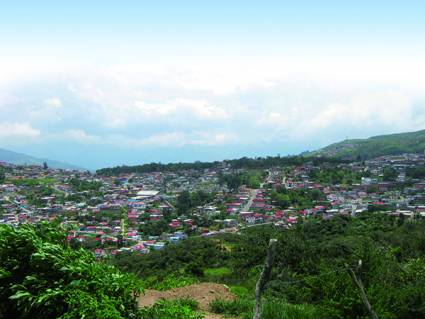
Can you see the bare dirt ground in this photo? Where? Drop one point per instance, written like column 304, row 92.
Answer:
column 203, row 293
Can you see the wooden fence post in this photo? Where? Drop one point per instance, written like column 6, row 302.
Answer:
column 264, row 278
column 358, row 282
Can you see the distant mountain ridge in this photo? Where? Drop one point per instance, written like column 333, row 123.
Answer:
column 24, row 159
column 391, row 144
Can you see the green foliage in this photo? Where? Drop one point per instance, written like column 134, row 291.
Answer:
column 82, row 185
column 191, row 256
column 272, row 309
column 390, row 174
column 154, row 228
column 299, row 198
column 187, row 200
column 2, row 176
column 277, row 309
column 216, row 274
column 335, row 175
column 42, row 277
column 244, row 162
column 232, row 307
column 173, row 309
column 362, row 149
column 309, row 267
column 174, row 280
column 251, row 179
column 415, row 172
column 33, row 182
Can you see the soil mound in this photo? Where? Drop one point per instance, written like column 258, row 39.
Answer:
column 204, row 293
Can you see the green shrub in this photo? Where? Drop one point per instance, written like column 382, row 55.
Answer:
column 277, row 309
column 239, row 291
column 42, row 277
column 175, row 280
column 173, row 309
column 214, row 274
column 231, row 307
column 272, row 309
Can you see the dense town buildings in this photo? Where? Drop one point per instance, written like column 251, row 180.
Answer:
column 143, row 212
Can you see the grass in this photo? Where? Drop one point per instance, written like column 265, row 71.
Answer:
column 232, row 308
column 272, row 309
column 277, row 309
column 239, row 291
column 45, row 181
column 217, row 273
column 170, row 281
column 173, row 309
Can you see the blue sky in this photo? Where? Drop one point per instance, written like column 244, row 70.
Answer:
column 100, row 83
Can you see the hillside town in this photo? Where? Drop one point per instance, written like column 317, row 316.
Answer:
column 141, row 212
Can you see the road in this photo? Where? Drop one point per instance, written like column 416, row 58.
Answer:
column 254, row 193
column 248, row 205
column 14, row 202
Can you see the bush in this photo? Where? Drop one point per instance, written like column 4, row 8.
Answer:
column 173, row 309
column 277, row 309
column 174, row 281
column 214, row 274
column 42, row 277
column 232, row 307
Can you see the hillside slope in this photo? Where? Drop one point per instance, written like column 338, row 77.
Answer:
column 392, row 144
column 23, row 159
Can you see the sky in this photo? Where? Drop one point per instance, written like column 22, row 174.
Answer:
column 104, row 83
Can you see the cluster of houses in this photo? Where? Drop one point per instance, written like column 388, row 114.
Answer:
column 108, row 213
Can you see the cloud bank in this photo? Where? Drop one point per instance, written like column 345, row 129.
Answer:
column 136, row 108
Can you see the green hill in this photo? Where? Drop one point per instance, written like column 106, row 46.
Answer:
column 392, row 144
column 24, row 159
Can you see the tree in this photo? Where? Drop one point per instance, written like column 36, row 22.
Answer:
column 390, row 174
column 42, row 277
column 186, row 200
column 45, row 165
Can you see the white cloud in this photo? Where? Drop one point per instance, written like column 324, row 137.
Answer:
column 140, row 107
column 17, row 130
column 81, row 136
column 166, row 139
column 53, row 102
column 200, row 109
column 273, row 120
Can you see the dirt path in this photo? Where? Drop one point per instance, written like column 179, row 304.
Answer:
column 203, row 293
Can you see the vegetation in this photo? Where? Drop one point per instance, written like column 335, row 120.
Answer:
column 244, row 162
column 251, row 179
column 81, row 185
column 33, row 182
column 2, row 176
column 272, row 309
column 309, row 278
column 389, row 174
column 186, row 201
column 173, row 280
column 415, row 172
column 42, row 277
column 173, row 309
column 362, row 149
column 300, row 198
column 190, row 257
column 335, row 175
column 154, row 228
column 233, row 307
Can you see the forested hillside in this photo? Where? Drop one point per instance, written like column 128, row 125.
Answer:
column 309, row 277
column 42, row 277
column 362, row 149
column 244, row 162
